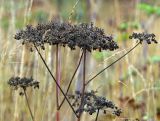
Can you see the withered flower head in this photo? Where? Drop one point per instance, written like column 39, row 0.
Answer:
column 92, row 103
column 31, row 35
column 85, row 36
column 24, row 83
column 149, row 38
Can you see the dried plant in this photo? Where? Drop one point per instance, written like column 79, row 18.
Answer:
column 87, row 37
column 24, row 83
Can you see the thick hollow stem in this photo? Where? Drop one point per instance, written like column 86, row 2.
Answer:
column 26, row 97
column 71, row 80
column 83, row 86
column 55, row 80
column 84, row 75
column 112, row 64
column 57, row 116
column 58, row 81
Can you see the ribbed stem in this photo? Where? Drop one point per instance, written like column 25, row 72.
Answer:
column 58, row 81
column 83, row 87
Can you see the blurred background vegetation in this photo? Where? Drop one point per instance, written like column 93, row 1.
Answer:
column 133, row 83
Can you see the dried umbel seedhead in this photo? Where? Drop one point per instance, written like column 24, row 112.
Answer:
column 24, row 83
column 92, row 103
column 84, row 36
column 88, row 37
column 31, row 35
column 149, row 38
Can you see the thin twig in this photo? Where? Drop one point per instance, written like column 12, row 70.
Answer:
column 55, row 80
column 97, row 115
column 26, row 97
column 71, row 80
column 111, row 64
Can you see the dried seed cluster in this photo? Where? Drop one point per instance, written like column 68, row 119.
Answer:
column 85, row 36
column 92, row 103
column 149, row 38
column 17, row 82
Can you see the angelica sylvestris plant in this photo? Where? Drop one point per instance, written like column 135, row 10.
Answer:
column 85, row 36
column 88, row 38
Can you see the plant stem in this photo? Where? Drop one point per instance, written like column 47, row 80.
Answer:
column 111, row 64
column 57, row 74
column 71, row 80
column 83, row 87
column 58, row 81
column 26, row 97
column 55, row 79
column 97, row 115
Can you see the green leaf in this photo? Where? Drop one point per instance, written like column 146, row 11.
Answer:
column 154, row 59
column 4, row 23
column 135, row 25
column 40, row 16
column 124, row 36
column 100, row 55
column 158, row 11
column 19, row 23
column 149, row 9
column 123, row 26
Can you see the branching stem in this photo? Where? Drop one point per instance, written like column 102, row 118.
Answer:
column 55, row 80
column 71, row 80
column 111, row 64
